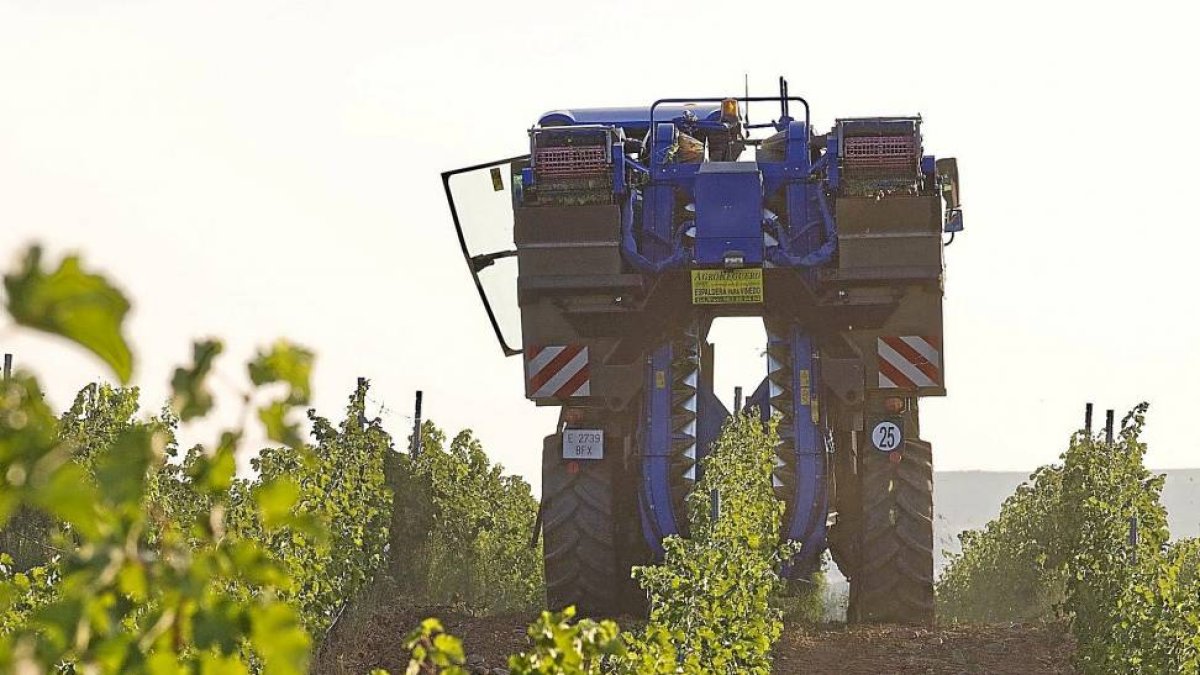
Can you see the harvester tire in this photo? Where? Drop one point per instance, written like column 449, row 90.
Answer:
column 579, row 534
column 893, row 582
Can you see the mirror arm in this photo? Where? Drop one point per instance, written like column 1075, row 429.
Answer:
column 485, row 260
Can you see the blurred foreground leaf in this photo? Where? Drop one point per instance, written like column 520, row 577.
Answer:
column 274, row 419
column 189, row 397
column 287, row 363
column 82, row 307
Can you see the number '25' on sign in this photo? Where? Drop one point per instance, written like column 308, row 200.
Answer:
column 887, row 436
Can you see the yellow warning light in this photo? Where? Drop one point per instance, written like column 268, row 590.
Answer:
column 729, row 110
column 893, row 404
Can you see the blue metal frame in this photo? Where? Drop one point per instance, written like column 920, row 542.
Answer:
column 810, row 439
column 810, row 509
column 711, row 419
column 657, row 510
column 805, row 238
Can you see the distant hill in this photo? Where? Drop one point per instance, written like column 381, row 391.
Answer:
column 967, row 500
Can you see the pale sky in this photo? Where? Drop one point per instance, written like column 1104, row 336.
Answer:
column 257, row 169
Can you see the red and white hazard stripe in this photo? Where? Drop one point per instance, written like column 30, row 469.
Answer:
column 557, row 371
column 909, row 361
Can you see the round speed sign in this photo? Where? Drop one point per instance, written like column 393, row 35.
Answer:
column 887, row 436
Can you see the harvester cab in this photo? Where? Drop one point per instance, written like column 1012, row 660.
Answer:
column 603, row 256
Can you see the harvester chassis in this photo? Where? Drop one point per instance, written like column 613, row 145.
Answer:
column 632, row 231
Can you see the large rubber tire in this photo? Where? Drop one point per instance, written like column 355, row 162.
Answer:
column 894, row 579
column 579, row 534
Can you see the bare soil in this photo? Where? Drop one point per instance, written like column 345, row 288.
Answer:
column 376, row 639
column 1011, row 648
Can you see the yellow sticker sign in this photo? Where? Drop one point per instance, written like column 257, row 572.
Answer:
column 724, row 287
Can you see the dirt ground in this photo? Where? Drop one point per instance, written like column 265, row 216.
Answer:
column 1019, row 648
column 376, row 641
column 358, row 645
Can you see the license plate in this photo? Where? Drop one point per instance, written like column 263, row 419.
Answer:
column 583, row 444
column 726, row 287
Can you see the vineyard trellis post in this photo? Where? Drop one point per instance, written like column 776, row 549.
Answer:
column 412, row 516
column 1133, row 538
column 416, row 442
column 362, row 416
column 1108, row 426
column 1087, row 419
column 8, row 358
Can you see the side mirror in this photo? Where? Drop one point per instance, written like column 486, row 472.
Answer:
column 947, row 171
column 954, row 221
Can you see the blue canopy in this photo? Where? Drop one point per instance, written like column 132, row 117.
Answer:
column 634, row 119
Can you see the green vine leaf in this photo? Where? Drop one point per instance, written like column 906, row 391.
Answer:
column 286, row 363
column 276, row 499
column 69, row 302
column 190, row 398
column 212, row 474
column 274, row 417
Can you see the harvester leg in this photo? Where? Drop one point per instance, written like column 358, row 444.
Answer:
column 893, row 581
column 800, row 475
column 668, row 439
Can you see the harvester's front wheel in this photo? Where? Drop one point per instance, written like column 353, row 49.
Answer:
column 579, row 537
column 893, row 582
